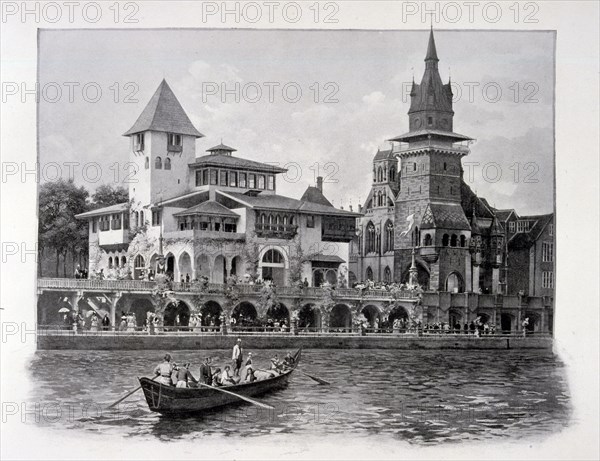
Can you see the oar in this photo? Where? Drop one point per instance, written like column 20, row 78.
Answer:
column 130, row 393
column 314, row 378
column 243, row 397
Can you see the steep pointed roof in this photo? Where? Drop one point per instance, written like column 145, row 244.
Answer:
column 164, row 113
column 496, row 228
column 475, row 230
column 314, row 195
column 444, row 216
column 431, row 51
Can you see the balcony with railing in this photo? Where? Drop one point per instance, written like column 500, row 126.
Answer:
column 281, row 231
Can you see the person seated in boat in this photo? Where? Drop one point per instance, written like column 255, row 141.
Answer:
column 248, row 363
column 174, row 371
column 163, row 371
column 184, row 376
column 289, row 361
column 276, row 364
column 216, row 377
column 226, row 378
column 250, row 376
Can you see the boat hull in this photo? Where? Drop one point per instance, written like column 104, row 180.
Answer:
column 170, row 400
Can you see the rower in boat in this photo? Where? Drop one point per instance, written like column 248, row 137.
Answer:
column 163, row 371
column 184, row 376
column 288, row 361
column 226, row 378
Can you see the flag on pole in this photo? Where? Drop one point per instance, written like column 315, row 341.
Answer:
column 411, row 222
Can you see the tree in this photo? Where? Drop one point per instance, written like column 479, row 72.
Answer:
column 58, row 229
column 107, row 195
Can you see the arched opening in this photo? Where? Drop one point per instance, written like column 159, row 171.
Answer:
column 506, row 323
column 534, row 322
column 123, row 261
column 427, row 241
column 140, row 307
column 236, row 266
column 158, row 163
column 309, row 317
column 455, row 319
column 202, row 267
column 373, row 316
column 245, row 315
column 177, row 314
column 422, row 275
column 170, row 265
column 463, row 241
column 370, row 243
column 352, row 280
column 219, row 273
column 454, row 283
column 139, row 267
column 185, row 267
column 389, row 236
column 318, row 278
column 340, row 318
column 453, row 240
column 331, row 277
column 278, row 315
column 167, row 164
column 387, row 275
column 398, row 318
column 369, row 273
column 210, row 314
column 445, row 240
column 273, row 266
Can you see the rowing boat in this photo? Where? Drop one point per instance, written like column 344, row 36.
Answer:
column 170, row 400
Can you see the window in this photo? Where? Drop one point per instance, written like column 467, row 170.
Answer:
column 110, row 262
column 547, row 279
column 139, row 142
column 94, row 225
column 137, row 219
column 550, row 230
column 123, row 261
column 242, row 180
column 273, row 257
column 167, row 164
column 174, row 139
column 199, row 177
column 252, row 181
column 371, row 244
column 429, row 121
column 147, row 163
column 213, row 177
column 415, row 166
column 463, row 241
column 271, row 182
column 115, row 221
column 233, row 179
column 205, row 177
column 158, row 163
column 310, row 221
column 445, row 240
column 223, row 180
column 156, row 218
column 522, row 226
column 387, row 275
column 369, row 273
column 511, row 227
column 261, row 181
column 389, row 236
column 547, row 252
column 142, row 220
column 125, row 220
column 427, row 241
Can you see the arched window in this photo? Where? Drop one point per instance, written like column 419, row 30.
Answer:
column 380, row 174
column 110, row 262
column 427, row 242
column 379, row 199
column 454, row 283
column 123, row 261
column 389, row 236
column 158, row 163
column 416, row 236
column 453, row 240
column 387, row 275
column 167, row 164
column 147, row 163
column 369, row 273
column 463, row 241
column 445, row 166
column 116, row 262
column 445, row 240
column 263, row 218
column 384, row 199
column 392, row 174
column 137, row 219
column 142, row 220
column 273, row 257
column 370, row 237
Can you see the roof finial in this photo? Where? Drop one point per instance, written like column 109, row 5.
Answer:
column 431, row 51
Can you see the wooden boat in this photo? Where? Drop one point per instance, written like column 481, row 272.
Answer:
column 170, row 400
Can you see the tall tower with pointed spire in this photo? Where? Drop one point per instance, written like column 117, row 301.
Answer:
column 163, row 144
column 428, row 211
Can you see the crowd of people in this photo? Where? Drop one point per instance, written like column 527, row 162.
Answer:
column 240, row 371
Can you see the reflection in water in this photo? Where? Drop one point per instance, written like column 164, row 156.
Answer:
column 418, row 396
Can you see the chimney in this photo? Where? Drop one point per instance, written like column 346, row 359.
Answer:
column 360, row 208
column 350, row 207
column 320, row 183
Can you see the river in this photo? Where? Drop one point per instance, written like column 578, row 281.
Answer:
column 422, row 397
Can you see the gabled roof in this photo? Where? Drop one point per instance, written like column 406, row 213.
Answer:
column 471, row 202
column 444, row 216
column 164, row 113
column 118, row 208
column 526, row 239
column 282, row 203
column 313, row 194
column 503, row 215
column 210, row 207
column 384, row 154
column 185, row 200
column 229, row 161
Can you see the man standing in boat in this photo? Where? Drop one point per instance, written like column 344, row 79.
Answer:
column 205, row 373
column 237, row 357
column 164, row 370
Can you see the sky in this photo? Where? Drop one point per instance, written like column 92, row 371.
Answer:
column 354, row 96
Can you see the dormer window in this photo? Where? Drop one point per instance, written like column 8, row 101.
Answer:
column 174, row 142
column 138, row 142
